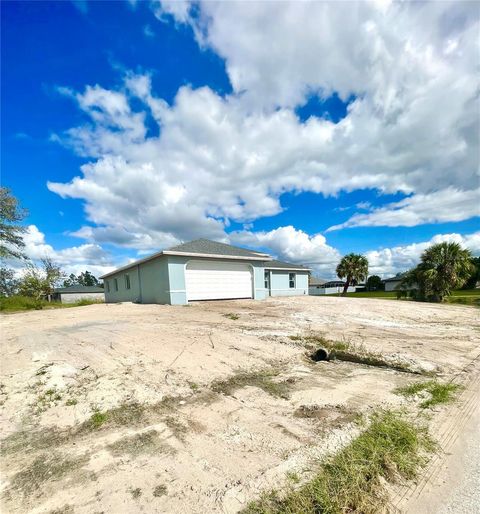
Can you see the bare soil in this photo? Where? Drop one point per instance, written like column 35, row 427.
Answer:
column 196, row 410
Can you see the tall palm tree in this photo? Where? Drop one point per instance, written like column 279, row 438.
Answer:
column 443, row 267
column 354, row 268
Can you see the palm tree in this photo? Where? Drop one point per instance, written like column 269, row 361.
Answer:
column 354, row 268
column 443, row 267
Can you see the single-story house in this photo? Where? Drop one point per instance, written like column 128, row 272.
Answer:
column 328, row 287
column 204, row 270
column 392, row 282
column 315, row 284
column 74, row 294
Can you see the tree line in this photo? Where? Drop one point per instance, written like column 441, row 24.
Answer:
column 443, row 267
column 36, row 281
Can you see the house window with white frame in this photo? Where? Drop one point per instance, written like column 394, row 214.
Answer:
column 127, row 281
column 115, row 283
column 291, row 280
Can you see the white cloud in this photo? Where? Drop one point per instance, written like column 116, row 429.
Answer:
column 74, row 259
column 292, row 245
column 389, row 261
column 412, row 128
column 445, row 205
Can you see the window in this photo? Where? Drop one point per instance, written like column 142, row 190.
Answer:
column 267, row 280
column 127, row 281
column 115, row 283
column 291, row 280
column 107, row 285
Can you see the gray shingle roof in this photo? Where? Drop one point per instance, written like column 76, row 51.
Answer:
column 274, row 264
column 396, row 278
column 79, row 289
column 206, row 246
column 317, row 281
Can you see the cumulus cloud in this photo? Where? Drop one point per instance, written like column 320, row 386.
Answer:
column 74, row 259
column 412, row 128
column 292, row 245
column 389, row 261
column 446, row 205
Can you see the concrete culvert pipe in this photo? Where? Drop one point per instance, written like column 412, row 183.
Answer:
column 320, row 355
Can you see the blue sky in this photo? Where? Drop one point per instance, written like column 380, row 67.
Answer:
column 188, row 130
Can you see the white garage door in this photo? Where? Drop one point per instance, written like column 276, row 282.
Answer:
column 218, row 280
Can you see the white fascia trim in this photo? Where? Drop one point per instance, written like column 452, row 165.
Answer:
column 217, row 256
column 287, row 269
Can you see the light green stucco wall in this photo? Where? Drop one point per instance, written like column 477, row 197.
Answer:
column 123, row 294
column 279, row 283
column 154, row 281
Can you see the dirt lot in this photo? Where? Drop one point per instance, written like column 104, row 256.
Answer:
column 194, row 410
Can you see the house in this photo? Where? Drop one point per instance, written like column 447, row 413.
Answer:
column 315, row 284
column 204, row 270
column 392, row 282
column 329, row 287
column 76, row 293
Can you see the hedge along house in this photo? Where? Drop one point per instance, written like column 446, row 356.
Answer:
column 204, row 270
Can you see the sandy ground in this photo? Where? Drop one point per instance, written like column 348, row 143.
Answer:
column 175, row 444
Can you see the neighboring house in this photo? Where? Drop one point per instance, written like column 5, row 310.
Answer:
column 315, row 284
column 204, row 270
column 74, row 294
column 331, row 287
column 392, row 283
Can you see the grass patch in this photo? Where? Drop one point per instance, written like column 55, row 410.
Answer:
column 125, row 415
column 136, row 493
column 436, row 393
column 231, row 315
column 392, row 447
column 357, row 353
column 459, row 296
column 26, row 303
column 142, row 443
column 193, row 385
column 47, row 467
column 46, row 400
column 263, row 379
column 160, row 490
column 98, row 418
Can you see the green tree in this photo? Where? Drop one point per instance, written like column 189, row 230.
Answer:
column 443, row 267
column 84, row 279
column 87, row 279
column 475, row 275
column 374, row 283
column 33, row 283
column 40, row 283
column 11, row 214
column 354, row 268
column 8, row 282
column 70, row 281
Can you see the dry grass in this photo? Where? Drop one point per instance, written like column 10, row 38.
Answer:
column 138, row 444
column 351, row 352
column 263, row 379
column 47, row 467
